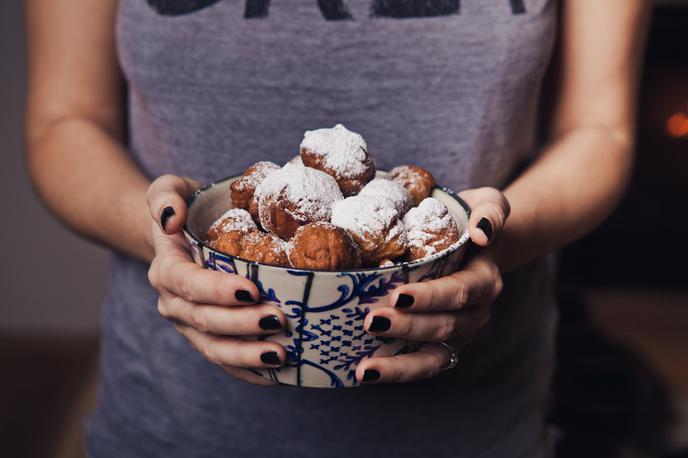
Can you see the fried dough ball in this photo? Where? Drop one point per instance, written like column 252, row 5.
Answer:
column 229, row 242
column 294, row 196
column 226, row 233
column 236, row 219
column 324, row 246
column 430, row 229
column 340, row 153
column 395, row 192
column 264, row 248
column 374, row 224
column 417, row 181
column 242, row 190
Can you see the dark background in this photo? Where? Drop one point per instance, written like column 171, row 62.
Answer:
column 621, row 389
column 643, row 244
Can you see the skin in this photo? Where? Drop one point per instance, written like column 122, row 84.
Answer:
column 74, row 136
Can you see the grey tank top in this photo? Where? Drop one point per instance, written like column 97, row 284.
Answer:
column 215, row 85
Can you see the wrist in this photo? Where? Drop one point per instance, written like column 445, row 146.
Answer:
column 515, row 237
column 135, row 237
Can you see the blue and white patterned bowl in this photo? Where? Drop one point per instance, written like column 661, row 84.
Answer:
column 324, row 339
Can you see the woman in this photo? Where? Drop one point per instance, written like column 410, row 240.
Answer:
column 213, row 86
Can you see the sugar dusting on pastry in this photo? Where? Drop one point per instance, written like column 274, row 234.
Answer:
column 266, row 248
column 242, row 189
column 345, row 152
column 417, row 181
column 255, row 174
column 361, row 215
column 296, row 160
column 308, row 195
column 395, row 192
column 235, row 219
column 430, row 228
column 374, row 224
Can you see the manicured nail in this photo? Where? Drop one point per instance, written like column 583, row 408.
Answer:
column 167, row 213
column 271, row 358
column 404, row 301
column 270, row 323
column 486, row 226
column 380, row 324
column 370, row 375
column 243, row 295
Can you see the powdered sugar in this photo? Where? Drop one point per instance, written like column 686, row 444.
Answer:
column 296, row 160
column 365, row 215
column 271, row 242
column 424, row 222
column 404, row 174
column 311, row 191
column 278, row 245
column 344, row 152
column 397, row 231
column 396, row 193
column 387, row 263
column 235, row 219
column 261, row 170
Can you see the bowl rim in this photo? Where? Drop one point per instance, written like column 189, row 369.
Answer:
column 404, row 265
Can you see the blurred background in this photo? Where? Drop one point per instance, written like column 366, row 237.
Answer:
column 621, row 389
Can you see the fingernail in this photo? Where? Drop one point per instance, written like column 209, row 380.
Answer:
column 167, row 213
column 243, row 295
column 370, row 375
column 271, row 358
column 380, row 324
column 404, row 301
column 270, row 323
column 486, row 226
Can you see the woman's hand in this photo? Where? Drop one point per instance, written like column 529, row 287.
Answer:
column 211, row 309
column 450, row 309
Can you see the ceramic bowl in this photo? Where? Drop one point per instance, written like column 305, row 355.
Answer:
column 324, row 337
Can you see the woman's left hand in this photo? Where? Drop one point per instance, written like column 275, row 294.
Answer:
column 450, row 309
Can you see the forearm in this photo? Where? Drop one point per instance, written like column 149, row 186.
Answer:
column 567, row 192
column 89, row 181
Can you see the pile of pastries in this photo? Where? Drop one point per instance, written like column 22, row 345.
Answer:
column 326, row 210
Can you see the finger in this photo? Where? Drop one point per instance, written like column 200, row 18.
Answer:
column 489, row 211
column 427, row 362
column 469, row 286
column 176, row 273
column 426, row 327
column 233, row 352
column 174, row 244
column 223, row 321
column 166, row 201
column 247, row 376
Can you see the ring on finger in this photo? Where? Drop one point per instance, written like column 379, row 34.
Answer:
column 453, row 355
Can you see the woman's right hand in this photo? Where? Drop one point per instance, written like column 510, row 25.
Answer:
column 211, row 309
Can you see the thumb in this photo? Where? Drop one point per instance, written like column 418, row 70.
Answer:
column 167, row 201
column 489, row 211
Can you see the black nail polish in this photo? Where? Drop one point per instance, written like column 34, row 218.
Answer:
column 380, row 324
column 243, row 295
column 167, row 213
column 370, row 375
column 270, row 323
column 404, row 301
column 486, row 226
column 271, row 358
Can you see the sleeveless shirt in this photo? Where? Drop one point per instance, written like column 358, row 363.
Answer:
column 216, row 85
